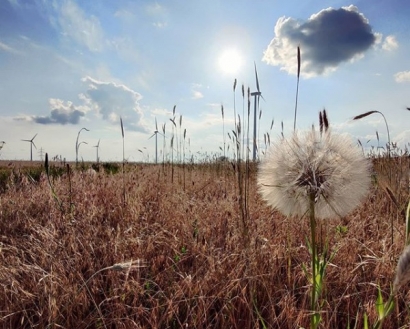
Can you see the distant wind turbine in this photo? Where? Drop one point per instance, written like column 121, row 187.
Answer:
column 256, row 94
column 31, row 146
column 156, row 132
column 2, row 144
column 97, row 146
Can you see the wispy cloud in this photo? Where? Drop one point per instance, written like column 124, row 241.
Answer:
column 83, row 29
column 158, row 13
column 7, row 48
column 196, row 94
column 403, row 76
column 327, row 39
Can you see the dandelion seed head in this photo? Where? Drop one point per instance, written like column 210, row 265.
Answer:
column 326, row 165
column 403, row 270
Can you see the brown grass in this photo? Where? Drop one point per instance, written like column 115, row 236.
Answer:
column 68, row 269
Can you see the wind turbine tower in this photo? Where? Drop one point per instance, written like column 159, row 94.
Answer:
column 257, row 94
column 97, row 146
column 156, row 132
column 31, row 146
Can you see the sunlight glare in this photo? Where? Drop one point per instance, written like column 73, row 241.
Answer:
column 230, row 61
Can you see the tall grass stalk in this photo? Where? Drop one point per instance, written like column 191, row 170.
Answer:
column 183, row 156
column 247, row 161
column 297, row 89
column 363, row 115
column 123, row 162
column 243, row 120
column 240, row 174
column 259, row 126
column 223, row 130
column 163, row 149
column 77, row 146
column 180, row 138
column 53, row 193
column 234, row 106
column 408, row 224
column 172, row 143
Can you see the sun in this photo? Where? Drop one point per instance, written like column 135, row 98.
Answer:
column 230, row 61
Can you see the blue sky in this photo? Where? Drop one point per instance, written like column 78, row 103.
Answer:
column 69, row 64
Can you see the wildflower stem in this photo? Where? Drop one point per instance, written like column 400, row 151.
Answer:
column 314, row 256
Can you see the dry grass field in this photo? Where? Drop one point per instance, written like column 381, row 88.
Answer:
column 180, row 252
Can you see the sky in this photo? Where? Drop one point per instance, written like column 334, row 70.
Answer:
column 70, row 64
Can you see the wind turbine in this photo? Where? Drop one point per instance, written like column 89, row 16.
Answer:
column 31, row 146
column 97, row 146
column 2, row 144
column 256, row 94
column 156, row 132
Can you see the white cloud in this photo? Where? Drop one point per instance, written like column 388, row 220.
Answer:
column 14, row 3
column 324, row 39
column 84, row 30
column 390, row 43
column 403, row 76
column 403, row 139
column 158, row 12
column 62, row 113
column 8, row 49
column 112, row 100
column 197, row 94
column 160, row 25
column 161, row 112
column 155, row 9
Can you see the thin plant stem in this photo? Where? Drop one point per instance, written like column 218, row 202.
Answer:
column 314, row 256
column 297, row 90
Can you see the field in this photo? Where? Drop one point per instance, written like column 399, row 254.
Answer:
column 180, row 246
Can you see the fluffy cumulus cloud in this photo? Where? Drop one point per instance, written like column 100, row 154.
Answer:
column 403, row 76
column 61, row 113
column 326, row 39
column 112, row 101
column 390, row 43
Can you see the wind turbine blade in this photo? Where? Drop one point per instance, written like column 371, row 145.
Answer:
column 33, row 144
column 153, row 135
column 26, row 140
column 34, row 137
column 156, row 125
column 256, row 76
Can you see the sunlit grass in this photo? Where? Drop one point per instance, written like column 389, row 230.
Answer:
column 197, row 272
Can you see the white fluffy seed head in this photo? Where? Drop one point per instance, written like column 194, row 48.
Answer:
column 403, row 270
column 327, row 165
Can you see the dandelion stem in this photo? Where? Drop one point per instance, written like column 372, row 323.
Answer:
column 314, row 256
